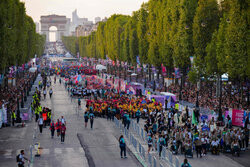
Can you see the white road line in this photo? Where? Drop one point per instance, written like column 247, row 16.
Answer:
column 8, row 153
column 58, row 150
column 46, row 151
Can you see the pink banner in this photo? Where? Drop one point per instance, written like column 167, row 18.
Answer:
column 237, row 117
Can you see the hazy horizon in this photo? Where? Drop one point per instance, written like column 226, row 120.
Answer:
column 88, row 9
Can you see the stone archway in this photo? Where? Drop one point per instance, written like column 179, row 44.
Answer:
column 60, row 22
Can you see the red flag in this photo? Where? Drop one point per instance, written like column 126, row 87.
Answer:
column 163, row 68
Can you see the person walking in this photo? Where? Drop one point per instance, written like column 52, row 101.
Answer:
column 150, row 143
column 21, row 159
column 63, row 121
column 63, row 130
column 79, row 103
column 86, row 118
column 122, row 146
column 13, row 117
column 127, row 121
column 40, row 123
column 138, row 115
column 58, row 128
column 44, row 93
column 185, row 163
column 50, row 92
column 52, row 128
column 91, row 117
column 198, row 146
column 162, row 142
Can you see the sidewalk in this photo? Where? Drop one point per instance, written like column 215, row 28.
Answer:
column 14, row 139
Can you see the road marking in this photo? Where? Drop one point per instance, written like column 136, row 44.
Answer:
column 8, row 153
column 58, row 151
column 46, row 151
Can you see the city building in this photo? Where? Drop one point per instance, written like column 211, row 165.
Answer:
column 97, row 20
column 37, row 27
column 67, row 27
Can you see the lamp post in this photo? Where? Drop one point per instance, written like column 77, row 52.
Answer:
column 18, row 109
column 197, row 95
column 220, row 98
column 180, row 93
column 22, row 103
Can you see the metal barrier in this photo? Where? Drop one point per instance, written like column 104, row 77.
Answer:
column 150, row 159
column 166, row 155
column 31, row 156
column 170, row 157
column 140, row 150
column 143, row 153
column 163, row 153
column 154, row 162
column 142, row 136
column 177, row 162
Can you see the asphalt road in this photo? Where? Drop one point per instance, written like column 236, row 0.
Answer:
column 83, row 147
column 100, row 145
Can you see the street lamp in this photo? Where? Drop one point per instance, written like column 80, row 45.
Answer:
column 197, row 95
column 180, row 93
column 203, row 24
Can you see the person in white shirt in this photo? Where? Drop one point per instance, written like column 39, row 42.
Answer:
column 40, row 123
column 63, row 120
column 44, row 93
column 50, row 92
column 21, row 159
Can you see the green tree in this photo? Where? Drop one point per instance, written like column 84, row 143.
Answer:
column 142, row 29
column 205, row 23
column 183, row 43
column 236, row 41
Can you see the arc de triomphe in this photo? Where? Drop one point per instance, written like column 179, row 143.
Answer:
column 60, row 22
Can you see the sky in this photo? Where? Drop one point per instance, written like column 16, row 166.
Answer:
column 85, row 8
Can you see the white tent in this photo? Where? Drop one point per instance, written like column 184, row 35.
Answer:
column 101, row 67
column 224, row 77
column 134, row 74
column 33, row 69
column 167, row 94
column 68, row 54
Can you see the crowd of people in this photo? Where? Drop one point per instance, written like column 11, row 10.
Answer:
column 172, row 128
column 12, row 97
column 177, row 133
column 231, row 95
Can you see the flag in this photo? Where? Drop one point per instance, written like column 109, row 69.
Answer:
column 177, row 72
column 163, row 69
column 194, row 121
column 138, row 60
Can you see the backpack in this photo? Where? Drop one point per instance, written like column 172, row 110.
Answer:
column 18, row 158
column 121, row 143
column 185, row 165
column 150, row 140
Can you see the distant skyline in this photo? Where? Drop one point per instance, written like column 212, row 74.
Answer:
column 85, row 8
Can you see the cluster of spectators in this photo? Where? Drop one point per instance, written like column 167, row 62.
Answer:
column 232, row 95
column 11, row 96
column 179, row 134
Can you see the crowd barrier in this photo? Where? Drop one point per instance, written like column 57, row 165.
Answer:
column 151, row 161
